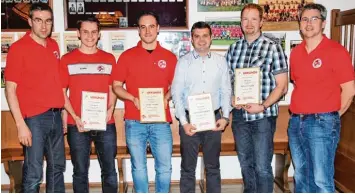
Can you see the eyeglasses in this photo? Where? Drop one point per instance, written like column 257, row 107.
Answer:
column 311, row 19
column 40, row 21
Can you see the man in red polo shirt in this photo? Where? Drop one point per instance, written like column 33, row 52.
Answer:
column 147, row 65
column 35, row 98
column 323, row 77
column 88, row 69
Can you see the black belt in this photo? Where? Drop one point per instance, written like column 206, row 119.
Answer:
column 215, row 112
column 55, row 109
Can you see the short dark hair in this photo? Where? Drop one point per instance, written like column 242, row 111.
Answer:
column 88, row 19
column 253, row 6
column 147, row 13
column 322, row 10
column 40, row 7
column 201, row 25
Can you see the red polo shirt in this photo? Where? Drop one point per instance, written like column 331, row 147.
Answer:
column 35, row 70
column 86, row 72
column 318, row 75
column 140, row 69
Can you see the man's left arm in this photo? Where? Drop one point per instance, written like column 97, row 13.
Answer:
column 347, row 95
column 112, row 98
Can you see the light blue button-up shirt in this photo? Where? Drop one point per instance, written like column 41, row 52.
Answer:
column 197, row 75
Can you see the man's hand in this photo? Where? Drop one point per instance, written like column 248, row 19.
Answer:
column 24, row 134
column 221, row 124
column 188, row 128
column 64, row 121
column 253, row 108
column 79, row 124
column 136, row 102
column 234, row 105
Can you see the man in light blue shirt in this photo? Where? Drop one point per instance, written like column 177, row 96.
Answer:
column 201, row 72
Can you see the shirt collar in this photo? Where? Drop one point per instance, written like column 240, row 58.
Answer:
column 260, row 38
column 139, row 44
column 196, row 55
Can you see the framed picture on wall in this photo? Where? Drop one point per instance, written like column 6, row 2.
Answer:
column 123, row 14
column 221, row 5
column 15, row 14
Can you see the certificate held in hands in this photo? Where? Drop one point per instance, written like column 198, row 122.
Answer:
column 247, row 86
column 151, row 103
column 201, row 112
column 94, row 110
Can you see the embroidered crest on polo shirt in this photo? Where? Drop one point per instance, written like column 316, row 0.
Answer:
column 100, row 68
column 162, row 64
column 317, row 63
column 56, row 54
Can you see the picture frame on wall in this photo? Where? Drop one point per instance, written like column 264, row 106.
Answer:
column 225, row 30
column 123, row 14
column 178, row 42
column 221, row 5
column 15, row 14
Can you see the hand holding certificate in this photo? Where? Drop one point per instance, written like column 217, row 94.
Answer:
column 94, row 110
column 247, row 86
column 201, row 112
column 151, row 103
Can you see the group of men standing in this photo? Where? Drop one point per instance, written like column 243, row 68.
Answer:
column 37, row 83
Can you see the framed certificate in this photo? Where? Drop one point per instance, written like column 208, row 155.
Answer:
column 247, row 86
column 201, row 112
column 151, row 103
column 94, row 110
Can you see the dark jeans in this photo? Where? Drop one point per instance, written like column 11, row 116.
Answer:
column 211, row 147
column 255, row 148
column 313, row 140
column 106, row 149
column 48, row 141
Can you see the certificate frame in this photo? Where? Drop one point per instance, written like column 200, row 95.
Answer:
column 197, row 104
column 153, row 94
column 254, row 75
column 97, row 98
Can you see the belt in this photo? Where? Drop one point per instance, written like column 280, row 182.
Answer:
column 55, row 109
column 313, row 114
column 215, row 112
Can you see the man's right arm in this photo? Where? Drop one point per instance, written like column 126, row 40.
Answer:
column 24, row 133
column 122, row 93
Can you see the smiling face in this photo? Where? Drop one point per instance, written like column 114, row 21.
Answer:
column 148, row 29
column 251, row 22
column 89, row 34
column 311, row 24
column 201, row 40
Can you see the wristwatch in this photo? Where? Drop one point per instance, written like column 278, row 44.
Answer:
column 263, row 106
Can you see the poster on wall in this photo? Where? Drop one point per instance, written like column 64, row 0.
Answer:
column 294, row 43
column 117, row 40
column 281, row 15
column 279, row 38
column 178, row 42
column 71, row 42
column 6, row 41
column 225, row 31
column 221, row 5
column 15, row 14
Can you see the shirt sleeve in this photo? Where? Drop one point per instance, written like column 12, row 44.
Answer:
column 226, row 90
column 14, row 64
column 120, row 70
column 292, row 76
column 113, row 63
column 172, row 69
column 279, row 64
column 229, row 56
column 344, row 70
column 177, row 91
column 64, row 72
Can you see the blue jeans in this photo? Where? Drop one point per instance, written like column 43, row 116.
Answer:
column 48, row 141
column 255, row 148
column 106, row 150
column 313, row 140
column 161, row 143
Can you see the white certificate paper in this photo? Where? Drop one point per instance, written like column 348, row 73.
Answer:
column 151, row 103
column 247, row 86
column 94, row 110
column 201, row 112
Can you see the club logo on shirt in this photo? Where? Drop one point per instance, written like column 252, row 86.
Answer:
column 162, row 64
column 100, row 68
column 317, row 63
column 56, row 54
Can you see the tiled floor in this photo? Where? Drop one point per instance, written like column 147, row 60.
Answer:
column 226, row 188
